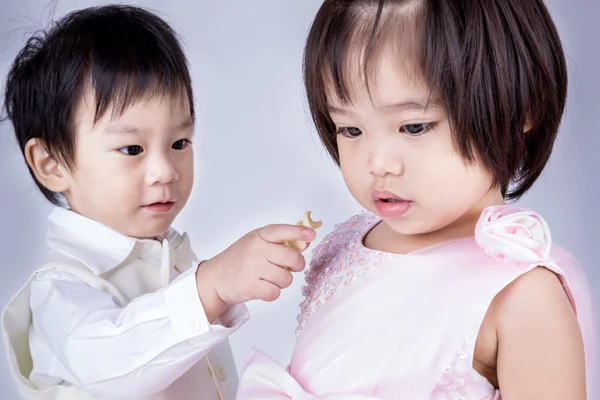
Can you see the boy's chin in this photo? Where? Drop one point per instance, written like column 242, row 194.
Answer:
column 150, row 229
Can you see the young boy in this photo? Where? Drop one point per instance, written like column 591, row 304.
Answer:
column 102, row 108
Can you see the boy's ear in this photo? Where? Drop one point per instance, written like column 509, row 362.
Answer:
column 49, row 172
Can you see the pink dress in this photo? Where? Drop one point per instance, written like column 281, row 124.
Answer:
column 376, row 325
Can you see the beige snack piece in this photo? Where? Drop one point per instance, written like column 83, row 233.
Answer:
column 308, row 222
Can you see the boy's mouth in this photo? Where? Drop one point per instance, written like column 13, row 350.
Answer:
column 159, row 207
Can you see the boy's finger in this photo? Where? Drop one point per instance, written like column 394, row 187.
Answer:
column 286, row 257
column 279, row 233
column 267, row 291
column 280, row 277
column 297, row 244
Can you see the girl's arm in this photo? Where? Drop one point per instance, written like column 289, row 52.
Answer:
column 540, row 349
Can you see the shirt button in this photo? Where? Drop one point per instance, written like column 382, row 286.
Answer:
column 220, row 374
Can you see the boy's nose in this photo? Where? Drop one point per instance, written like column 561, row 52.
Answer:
column 161, row 171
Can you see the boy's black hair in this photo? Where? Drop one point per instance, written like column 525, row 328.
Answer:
column 122, row 54
column 496, row 66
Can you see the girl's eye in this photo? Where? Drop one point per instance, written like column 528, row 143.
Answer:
column 131, row 150
column 349, row 131
column 415, row 129
column 181, row 144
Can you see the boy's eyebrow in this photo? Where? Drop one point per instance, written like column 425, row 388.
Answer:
column 125, row 128
column 118, row 128
column 400, row 106
column 188, row 123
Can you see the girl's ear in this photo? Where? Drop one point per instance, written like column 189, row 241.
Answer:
column 528, row 124
column 49, row 172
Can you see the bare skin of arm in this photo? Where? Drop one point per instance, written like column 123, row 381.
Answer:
column 529, row 345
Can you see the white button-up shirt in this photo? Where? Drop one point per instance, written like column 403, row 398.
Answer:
column 82, row 335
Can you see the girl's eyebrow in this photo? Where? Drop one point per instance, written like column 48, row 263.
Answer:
column 394, row 107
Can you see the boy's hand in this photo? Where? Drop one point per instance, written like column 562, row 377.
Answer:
column 256, row 267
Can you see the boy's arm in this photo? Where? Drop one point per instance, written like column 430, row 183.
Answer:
column 125, row 352
column 140, row 349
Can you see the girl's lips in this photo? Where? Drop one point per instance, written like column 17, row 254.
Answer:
column 385, row 195
column 392, row 208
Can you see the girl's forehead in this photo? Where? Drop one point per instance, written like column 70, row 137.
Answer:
column 385, row 81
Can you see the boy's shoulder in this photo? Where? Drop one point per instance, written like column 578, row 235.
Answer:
column 74, row 238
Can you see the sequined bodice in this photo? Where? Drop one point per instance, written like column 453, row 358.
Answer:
column 381, row 326
column 340, row 259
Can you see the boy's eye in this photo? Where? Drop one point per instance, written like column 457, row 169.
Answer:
column 349, row 131
column 415, row 129
column 131, row 150
column 181, row 144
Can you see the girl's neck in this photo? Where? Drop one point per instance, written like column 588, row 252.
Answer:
column 384, row 238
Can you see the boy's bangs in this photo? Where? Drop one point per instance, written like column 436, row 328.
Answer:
column 121, row 73
column 115, row 91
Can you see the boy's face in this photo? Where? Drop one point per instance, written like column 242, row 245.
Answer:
column 133, row 172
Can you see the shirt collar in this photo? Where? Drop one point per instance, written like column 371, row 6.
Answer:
column 98, row 246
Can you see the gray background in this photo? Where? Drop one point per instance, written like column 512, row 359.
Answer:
column 246, row 66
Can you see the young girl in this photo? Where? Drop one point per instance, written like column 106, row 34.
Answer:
column 437, row 112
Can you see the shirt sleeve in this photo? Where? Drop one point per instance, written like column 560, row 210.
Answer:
column 123, row 352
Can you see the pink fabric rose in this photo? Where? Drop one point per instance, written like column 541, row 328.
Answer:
column 514, row 235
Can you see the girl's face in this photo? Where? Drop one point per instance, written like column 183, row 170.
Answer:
column 398, row 160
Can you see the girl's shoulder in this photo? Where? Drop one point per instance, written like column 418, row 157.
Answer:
column 333, row 262
column 345, row 238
